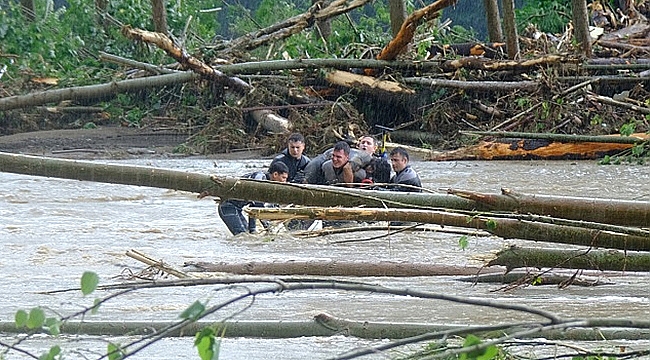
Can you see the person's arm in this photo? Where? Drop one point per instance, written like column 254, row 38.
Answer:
column 347, row 174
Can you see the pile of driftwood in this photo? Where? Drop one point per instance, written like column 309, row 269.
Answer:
column 547, row 86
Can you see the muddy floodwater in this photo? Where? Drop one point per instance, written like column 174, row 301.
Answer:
column 53, row 230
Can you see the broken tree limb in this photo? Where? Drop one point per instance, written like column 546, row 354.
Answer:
column 628, row 212
column 565, row 207
column 94, row 91
column 503, row 227
column 185, row 59
column 348, row 79
column 479, row 63
column 609, row 101
column 520, row 257
column 334, row 268
column 491, row 86
column 407, row 31
column 291, row 26
column 538, row 278
column 158, row 264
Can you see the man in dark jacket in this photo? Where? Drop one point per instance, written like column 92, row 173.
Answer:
column 293, row 157
column 404, row 173
column 230, row 210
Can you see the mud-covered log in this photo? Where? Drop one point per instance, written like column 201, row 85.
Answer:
column 477, row 63
column 334, row 268
column 520, row 257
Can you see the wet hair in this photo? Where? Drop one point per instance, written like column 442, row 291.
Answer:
column 400, row 151
column 278, row 167
column 374, row 139
column 296, row 137
column 342, row 145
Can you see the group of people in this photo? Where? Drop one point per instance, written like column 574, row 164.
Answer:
column 340, row 165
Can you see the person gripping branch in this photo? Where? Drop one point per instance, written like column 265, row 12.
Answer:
column 294, row 158
column 230, row 210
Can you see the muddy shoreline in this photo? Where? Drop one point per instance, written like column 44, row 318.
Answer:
column 107, row 142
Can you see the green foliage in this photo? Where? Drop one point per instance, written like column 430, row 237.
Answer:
column 463, row 242
column 89, row 281
column 54, row 353
column 115, row 351
column 628, row 129
column 491, row 224
column 491, row 352
column 193, row 312
column 207, row 344
column 549, row 15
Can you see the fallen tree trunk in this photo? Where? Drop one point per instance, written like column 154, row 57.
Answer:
column 94, row 91
column 503, row 227
column 520, row 278
column 606, row 211
column 334, row 268
column 519, row 257
column 348, row 79
column 540, row 148
column 321, row 325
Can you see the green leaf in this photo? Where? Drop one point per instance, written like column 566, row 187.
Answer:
column 489, row 353
column 89, row 281
column 36, row 318
column 95, row 308
column 193, row 311
column 206, row 344
column 21, row 318
column 53, row 325
column 114, row 351
column 491, row 224
column 462, row 242
column 51, row 355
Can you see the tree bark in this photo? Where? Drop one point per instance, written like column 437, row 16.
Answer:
column 335, row 268
column 28, row 10
column 94, row 91
column 581, row 26
column 324, row 26
column 159, row 14
column 606, row 211
column 503, row 227
column 493, row 20
column 407, row 31
column 348, row 79
column 519, row 257
column 536, row 278
column 510, row 26
column 397, row 11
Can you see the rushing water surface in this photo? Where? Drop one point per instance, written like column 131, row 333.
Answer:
column 53, row 230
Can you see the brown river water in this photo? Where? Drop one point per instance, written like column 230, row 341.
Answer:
column 53, row 230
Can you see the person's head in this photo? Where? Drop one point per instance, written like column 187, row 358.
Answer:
column 399, row 158
column 279, row 171
column 340, row 154
column 367, row 144
column 296, row 145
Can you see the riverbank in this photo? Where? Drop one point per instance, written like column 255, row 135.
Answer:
column 106, row 142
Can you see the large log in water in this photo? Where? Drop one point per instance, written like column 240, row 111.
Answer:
column 334, row 268
column 606, row 211
column 519, row 257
